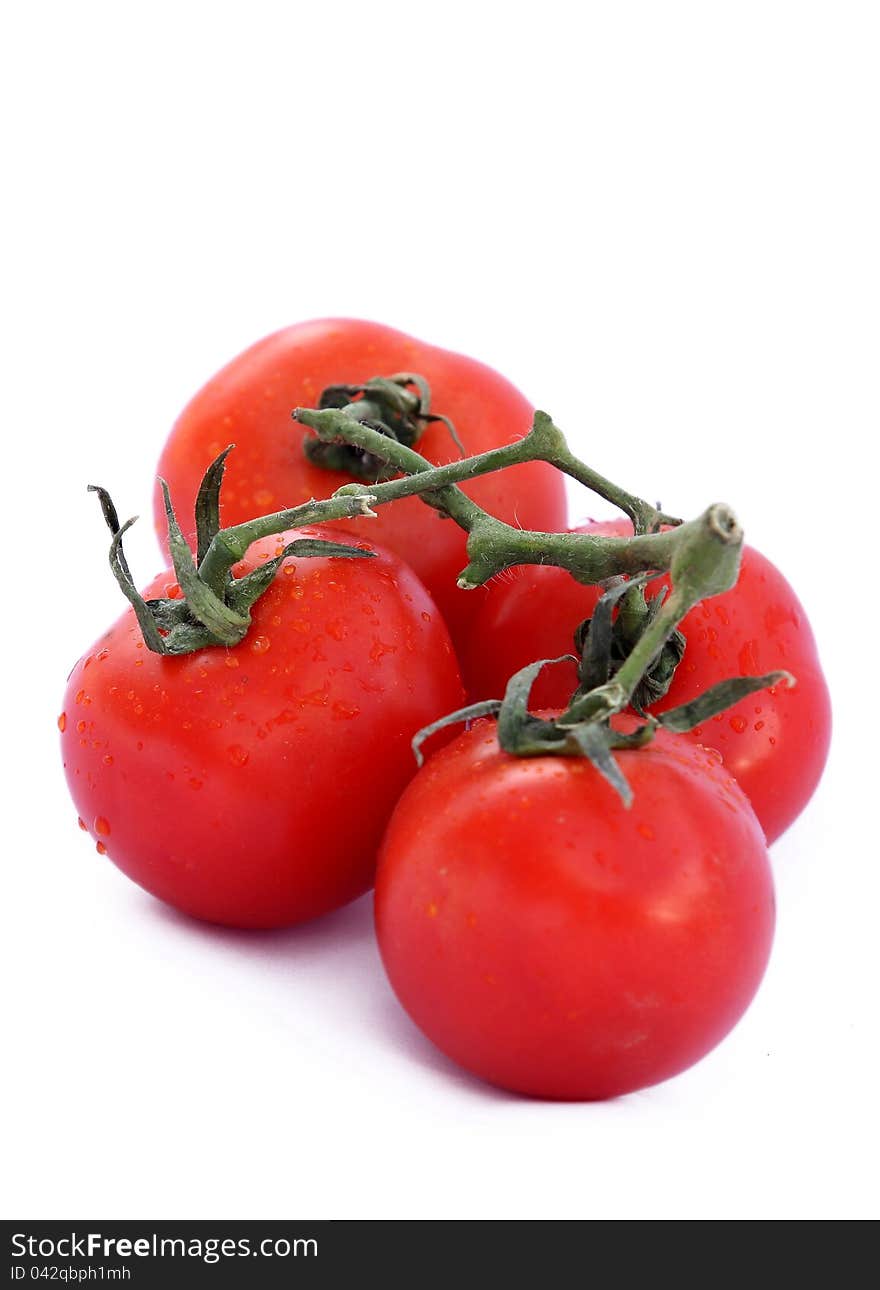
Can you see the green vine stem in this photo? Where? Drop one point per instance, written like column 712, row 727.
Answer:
column 544, row 442
column 378, row 423
column 704, row 551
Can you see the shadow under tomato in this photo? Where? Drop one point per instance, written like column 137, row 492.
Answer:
column 353, row 924
column 362, row 997
column 391, row 1020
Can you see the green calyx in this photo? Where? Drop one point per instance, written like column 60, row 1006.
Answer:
column 628, row 650
column 214, row 607
column 603, row 643
column 523, row 734
column 398, row 407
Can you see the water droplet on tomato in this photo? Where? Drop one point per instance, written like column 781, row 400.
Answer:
column 102, row 826
column 62, row 722
column 82, row 824
column 100, row 848
column 80, row 727
column 231, row 660
column 345, row 711
column 108, row 760
column 237, row 755
column 748, row 659
column 738, row 724
column 379, row 649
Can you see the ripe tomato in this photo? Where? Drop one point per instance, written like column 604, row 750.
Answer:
column 775, row 743
column 553, row 942
column 251, row 786
column 249, row 404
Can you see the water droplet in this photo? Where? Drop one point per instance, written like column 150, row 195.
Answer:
column 138, row 709
column 108, row 760
column 79, row 696
column 426, row 616
column 345, row 711
column 738, row 724
column 104, row 653
column 82, row 824
column 289, row 570
column 100, row 848
column 231, row 660
column 62, row 722
column 748, row 659
column 237, row 755
column 759, row 725
column 379, row 649
column 102, row 826
column 80, row 727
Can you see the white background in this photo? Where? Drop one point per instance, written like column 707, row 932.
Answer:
column 661, row 221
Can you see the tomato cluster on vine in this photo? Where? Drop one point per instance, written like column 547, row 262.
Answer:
column 573, row 894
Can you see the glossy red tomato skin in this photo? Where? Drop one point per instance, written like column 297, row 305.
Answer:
column 251, row 786
column 249, row 403
column 775, row 743
column 553, row 942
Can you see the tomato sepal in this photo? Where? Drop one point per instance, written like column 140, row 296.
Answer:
column 214, row 608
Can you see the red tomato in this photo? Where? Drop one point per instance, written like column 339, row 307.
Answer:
column 775, row 743
column 559, row 945
column 251, row 786
column 249, row 404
